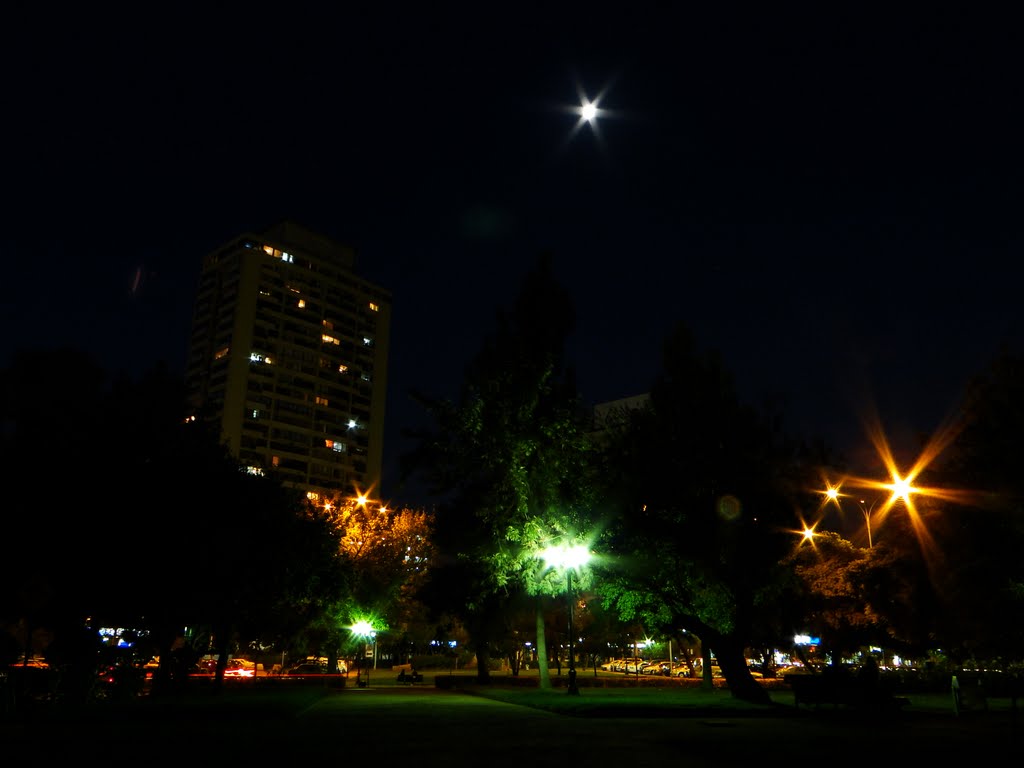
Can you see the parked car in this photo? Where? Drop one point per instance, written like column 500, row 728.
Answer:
column 33, row 662
column 306, row 669
column 660, row 667
column 234, row 668
column 633, row 666
column 341, row 668
column 239, row 668
column 698, row 671
column 680, row 669
column 205, row 667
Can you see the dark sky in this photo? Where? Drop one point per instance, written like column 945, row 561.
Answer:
column 831, row 202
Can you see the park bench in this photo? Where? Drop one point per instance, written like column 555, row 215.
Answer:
column 409, row 677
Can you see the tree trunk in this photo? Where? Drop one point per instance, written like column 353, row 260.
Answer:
column 483, row 663
column 737, row 675
column 515, row 660
column 542, row 648
column 708, row 679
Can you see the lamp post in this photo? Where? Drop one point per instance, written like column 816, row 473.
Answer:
column 569, row 558
column 899, row 490
column 364, row 630
column 833, row 495
column 572, row 688
column 866, row 511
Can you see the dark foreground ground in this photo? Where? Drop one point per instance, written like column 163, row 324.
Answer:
column 423, row 725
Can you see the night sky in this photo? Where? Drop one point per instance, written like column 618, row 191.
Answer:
column 831, row 202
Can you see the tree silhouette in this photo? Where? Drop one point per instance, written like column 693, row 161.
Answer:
column 510, row 462
column 702, row 491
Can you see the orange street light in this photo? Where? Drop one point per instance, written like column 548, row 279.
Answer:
column 832, row 494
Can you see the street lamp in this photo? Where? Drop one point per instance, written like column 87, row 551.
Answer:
column 363, row 629
column 833, row 496
column 569, row 558
column 867, row 511
column 899, row 490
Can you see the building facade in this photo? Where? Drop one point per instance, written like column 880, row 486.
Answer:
column 288, row 353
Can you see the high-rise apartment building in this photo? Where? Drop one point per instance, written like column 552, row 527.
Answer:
column 288, row 353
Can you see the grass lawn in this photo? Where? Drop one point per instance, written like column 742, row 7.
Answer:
column 669, row 700
column 626, row 701
column 283, row 697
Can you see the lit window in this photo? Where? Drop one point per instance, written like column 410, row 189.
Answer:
column 328, row 339
column 342, row 368
column 282, row 255
column 321, row 400
column 276, row 461
column 222, row 352
column 254, row 471
column 365, row 377
column 328, row 325
column 256, row 357
column 302, row 303
column 367, row 341
column 374, row 307
column 338, row 447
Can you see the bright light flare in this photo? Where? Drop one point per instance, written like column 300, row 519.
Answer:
column 589, row 112
column 362, row 628
column 806, row 532
column 572, row 556
column 900, row 487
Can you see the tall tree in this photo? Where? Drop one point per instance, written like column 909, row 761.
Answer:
column 703, row 493
column 389, row 552
column 511, row 459
column 856, row 597
column 980, row 537
column 154, row 520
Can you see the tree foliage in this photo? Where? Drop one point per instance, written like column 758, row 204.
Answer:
column 853, row 597
column 704, row 491
column 512, row 456
column 156, row 524
column 980, row 579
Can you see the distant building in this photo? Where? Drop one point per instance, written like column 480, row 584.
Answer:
column 606, row 414
column 288, row 352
